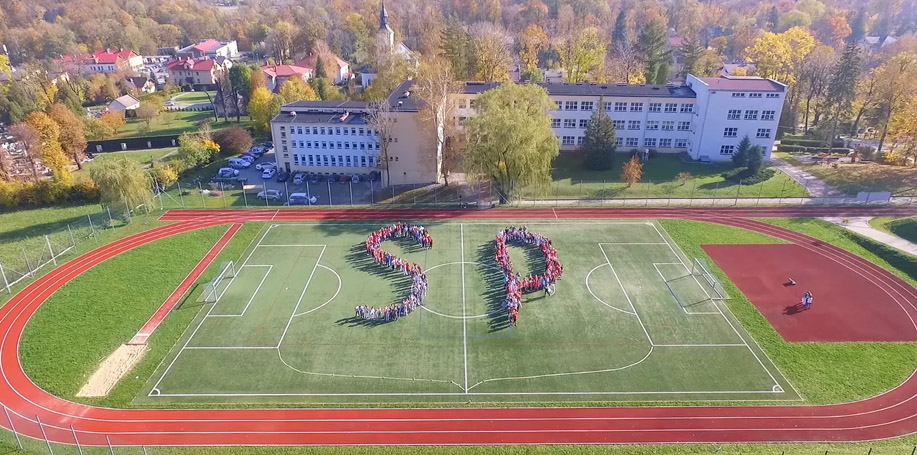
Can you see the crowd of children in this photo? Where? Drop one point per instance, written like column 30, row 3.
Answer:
column 515, row 283
column 418, row 278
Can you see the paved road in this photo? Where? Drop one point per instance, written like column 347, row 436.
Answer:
column 816, row 187
column 860, row 225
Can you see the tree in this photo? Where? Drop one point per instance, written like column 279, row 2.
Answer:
column 842, row 88
column 632, row 171
column 492, row 46
column 52, row 155
column 457, row 47
column 320, row 68
column 263, row 107
column 510, row 140
column 755, row 160
column 30, row 141
column 600, row 140
column 164, row 176
column 813, row 77
column 683, row 177
column 257, row 80
column 620, row 31
column 866, row 100
column 773, row 18
column 5, row 67
column 233, row 140
column 196, row 149
column 653, row 47
column 532, row 41
column 122, row 182
column 382, row 120
column 72, row 137
column 895, row 80
column 113, row 120
column 240, row 78
column 96, row 130
column 147, row 113
column 280, row 40
column 580, row 52
column 294, row 89
column 434, row 86
column 777, row 55
column 326, row 91
column 903, row 130
column 740, row 157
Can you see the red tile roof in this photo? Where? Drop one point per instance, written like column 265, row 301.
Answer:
column 310, row 60
column 207, row 45
column 103, row 56
column 743, row 83
column 285, row 70
column 189, row 64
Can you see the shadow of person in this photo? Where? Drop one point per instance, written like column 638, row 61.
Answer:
column 793, row 309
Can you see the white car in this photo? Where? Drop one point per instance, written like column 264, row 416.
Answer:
column 227, row 172
column 274, row 195
column 301, row 199
column 299, row 178
column 268, row 172
column 239, row 163
column 170, row 103
column 262, row 166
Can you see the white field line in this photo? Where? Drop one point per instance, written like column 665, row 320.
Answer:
column 588, row 288
column 648, row 337
column 464, row 319
column 291, row 245
column 753, row 353
column 338, row 291
column 250, row 300
column 306, row 287
column 457, row 394
column 199, row 324
column 228, row 348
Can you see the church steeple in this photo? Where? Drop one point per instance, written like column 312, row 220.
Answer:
column 383, row 18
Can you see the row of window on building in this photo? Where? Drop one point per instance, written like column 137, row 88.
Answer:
column 334, row 131
column 736, row 114
column 754, row 95
column 665, row 143
column 332, row 145
column 762, row 133
column 651, row 125
column 323, row 160
column 616, row 106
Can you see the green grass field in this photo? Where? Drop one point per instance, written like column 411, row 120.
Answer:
column 852, row 178
column 571, row 180
column 906, row 228
column 283, row 327
column 175, row 122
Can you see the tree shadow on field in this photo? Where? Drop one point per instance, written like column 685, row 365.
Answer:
column 333, row 228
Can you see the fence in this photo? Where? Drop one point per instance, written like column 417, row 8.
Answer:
column 24, row 257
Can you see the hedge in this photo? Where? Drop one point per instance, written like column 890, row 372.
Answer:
column 19, row 194
column 740, row 175
column 801, row 149
column 802, row 142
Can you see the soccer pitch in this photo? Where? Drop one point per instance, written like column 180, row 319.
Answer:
column 628, row 322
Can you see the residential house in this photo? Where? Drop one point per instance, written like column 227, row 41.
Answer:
column 143, row 84
column 200, row 74
column 276, row 75
column 337, row 69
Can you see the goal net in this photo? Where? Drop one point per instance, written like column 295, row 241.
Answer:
column 212, row 290
column 707, row 280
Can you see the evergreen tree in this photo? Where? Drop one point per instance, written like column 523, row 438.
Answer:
column 857, row 29
column 773, row 18
column 620, row 32
column 842, row 88
column 653, row 47
column 755, row 160
column 599, row 144
column 691, row 51
column 740, row 157
column 320, row 72
column 459, row 50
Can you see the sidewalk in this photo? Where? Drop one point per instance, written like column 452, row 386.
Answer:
column 816, row 187
column 861, row 226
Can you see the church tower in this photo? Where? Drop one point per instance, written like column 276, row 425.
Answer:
column 384, row 27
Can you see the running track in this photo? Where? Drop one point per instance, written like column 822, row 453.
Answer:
column 888, row 415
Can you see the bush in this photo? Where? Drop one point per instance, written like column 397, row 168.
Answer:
column 866, row 152
column 743, row 176
column 46, row 192
column 802, row 142
column 790, row 148
column 893, row 159
column 654, row 153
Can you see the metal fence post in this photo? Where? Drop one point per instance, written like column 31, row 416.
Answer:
column 5, row 282
column 110, row 448
column 201, row 187
column 181, row 196
column 92, row 230
column 738, row 189
column 693, row 187
column 393, row 193
column 12, row 427
column 244, row 196
column 780, row 201
column 143, row 448
column 27, row 263
column 48, row 242
column 223, row 193
column 72, row 239
column 351, row 192
column 913, row 193
column 646, row 201
column 110, row 220
column 76, row 440
column 286, row 189
column 714, row 193
column 308, row 192
column 330, row 202
column 760, row 190
column 372, row 192
column 43, row 434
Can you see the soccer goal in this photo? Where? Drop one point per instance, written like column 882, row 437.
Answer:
column 711, row 283
column 212, row 289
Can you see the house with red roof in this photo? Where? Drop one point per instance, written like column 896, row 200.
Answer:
column 337, row 69
column 105, row 61
column 210, row 48
column 276, row 75
column 199, row 73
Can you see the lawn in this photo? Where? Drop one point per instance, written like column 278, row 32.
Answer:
column 853, row 178
column 144, row 157
column 284, row 325
column 193, row 97
column 175, row 122
column 906, row 228
column 572, row 181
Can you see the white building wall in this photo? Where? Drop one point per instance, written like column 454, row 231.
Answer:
column 324, row 148
column 716, row 109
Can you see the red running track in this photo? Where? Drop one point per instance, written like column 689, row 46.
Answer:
column 888, row 415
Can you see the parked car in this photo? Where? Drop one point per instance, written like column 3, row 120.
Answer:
column 239, row 163
column 269, row 145
column 247, row 157
column 301, row 199
column 282, row 176
column 256, row 151
column 170, row 103
column 226, row 172
column 268, row 173
column 299, row 178
column 274, row 195
column 263, row 166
